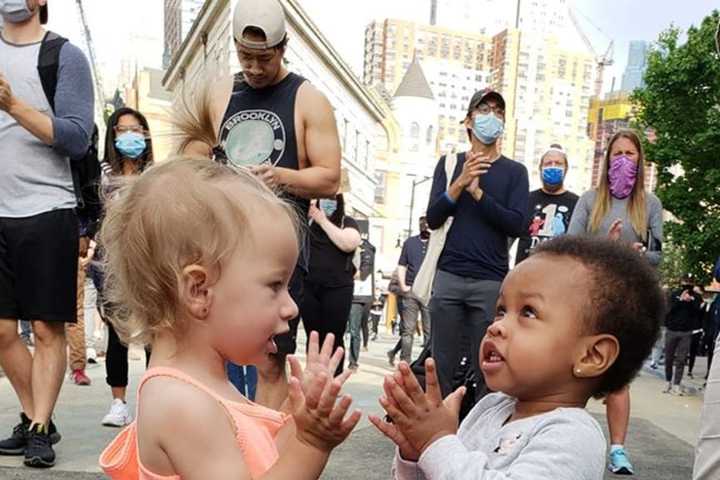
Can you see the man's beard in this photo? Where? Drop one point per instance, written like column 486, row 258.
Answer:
column 553, row 188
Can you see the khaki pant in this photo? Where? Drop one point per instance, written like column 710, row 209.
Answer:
column 75, row 332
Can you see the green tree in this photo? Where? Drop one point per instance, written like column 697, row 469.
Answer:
column 681, row 104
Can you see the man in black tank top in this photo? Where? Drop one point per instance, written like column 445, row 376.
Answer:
column 282, row 128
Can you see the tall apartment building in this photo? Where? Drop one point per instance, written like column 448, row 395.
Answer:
column 609, row 114
column 540, row 63
column 179, row 18
column 480, row 16
column 637, row 64
column 547, row 82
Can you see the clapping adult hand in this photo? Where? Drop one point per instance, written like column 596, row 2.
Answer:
column 615, row 230
column 316, row 214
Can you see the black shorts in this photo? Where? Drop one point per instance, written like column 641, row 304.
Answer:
column 38, row 267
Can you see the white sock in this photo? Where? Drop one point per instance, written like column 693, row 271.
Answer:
column 616, row 446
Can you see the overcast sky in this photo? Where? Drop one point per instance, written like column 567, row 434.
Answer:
column 134, row 28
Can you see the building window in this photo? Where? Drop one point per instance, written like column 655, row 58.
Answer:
column 367, row 155
column 414, row 130
column 345, row 133
column 429, row 136
column 357, row 146
column 380, row 180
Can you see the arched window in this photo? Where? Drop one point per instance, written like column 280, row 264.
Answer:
column 429, row 137
column 415, row 130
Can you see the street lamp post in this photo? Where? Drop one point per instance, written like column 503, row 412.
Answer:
column 415, row 183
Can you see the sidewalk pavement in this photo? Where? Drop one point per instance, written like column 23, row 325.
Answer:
column 662, row 430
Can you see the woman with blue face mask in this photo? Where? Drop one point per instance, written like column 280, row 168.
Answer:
column 128, row 146
column 328, row 287
column 128, row 151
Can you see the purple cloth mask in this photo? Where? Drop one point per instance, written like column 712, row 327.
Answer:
column 622, row 176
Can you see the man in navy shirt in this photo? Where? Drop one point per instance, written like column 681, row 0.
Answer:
column 411, row 257
column 488, row 198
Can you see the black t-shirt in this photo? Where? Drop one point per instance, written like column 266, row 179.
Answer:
column 330, row 266
column 549, row 216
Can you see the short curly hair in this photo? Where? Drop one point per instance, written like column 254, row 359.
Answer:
column 626, row 301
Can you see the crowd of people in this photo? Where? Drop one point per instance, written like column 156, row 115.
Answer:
column 212, row 258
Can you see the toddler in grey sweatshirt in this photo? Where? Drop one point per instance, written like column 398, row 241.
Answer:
column 573, row 321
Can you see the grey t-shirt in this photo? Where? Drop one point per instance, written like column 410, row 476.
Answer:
column 619, row 210
column 564, row 444
column 36, row 178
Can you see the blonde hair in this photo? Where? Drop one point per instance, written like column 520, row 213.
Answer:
column 176, row 214
column 637, row 209
column 192, row 114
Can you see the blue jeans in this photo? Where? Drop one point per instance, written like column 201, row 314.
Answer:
column 359, row 313
column 244, row 378
column 25, row 329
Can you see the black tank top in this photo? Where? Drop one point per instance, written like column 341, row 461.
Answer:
column 259, row 128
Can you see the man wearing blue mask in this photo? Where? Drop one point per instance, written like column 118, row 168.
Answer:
column 550, row 207
column 46, row 118
column 487, row 199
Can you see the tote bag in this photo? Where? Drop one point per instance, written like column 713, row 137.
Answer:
column 422, row 286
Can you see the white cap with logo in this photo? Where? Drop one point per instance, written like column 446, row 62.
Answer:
column 267, row 16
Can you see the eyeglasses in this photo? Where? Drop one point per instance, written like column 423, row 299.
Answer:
column 485, row 109
column 120, row 129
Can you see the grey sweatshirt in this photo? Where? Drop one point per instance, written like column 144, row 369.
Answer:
column 36, row 178
column 565, row 444
column 580, row 221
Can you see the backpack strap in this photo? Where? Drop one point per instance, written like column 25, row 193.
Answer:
column 49, row 63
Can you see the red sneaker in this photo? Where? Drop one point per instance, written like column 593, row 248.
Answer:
column 79, row 378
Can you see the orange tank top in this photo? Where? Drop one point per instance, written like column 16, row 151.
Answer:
column 255, row 430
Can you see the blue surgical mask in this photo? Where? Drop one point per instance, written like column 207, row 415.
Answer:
column 328, row 206
column 15, row 11
column 131, row 144
column 487, row 128
column 553, row 176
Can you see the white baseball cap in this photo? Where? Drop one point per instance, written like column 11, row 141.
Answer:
column 267, row 16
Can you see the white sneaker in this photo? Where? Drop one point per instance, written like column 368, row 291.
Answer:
column 677, row 390
column 668, row 388
column 118, row 416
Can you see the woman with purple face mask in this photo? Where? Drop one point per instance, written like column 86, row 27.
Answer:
column 621, row 209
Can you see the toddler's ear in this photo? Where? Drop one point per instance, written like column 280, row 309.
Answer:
column 595, row 355
column 195, row 292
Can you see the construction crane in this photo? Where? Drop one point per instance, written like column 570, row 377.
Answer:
column 601, row 61
column 99, row 91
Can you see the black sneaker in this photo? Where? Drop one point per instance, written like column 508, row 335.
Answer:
column 39, row 452
column 55, row 436
column 15, row 445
